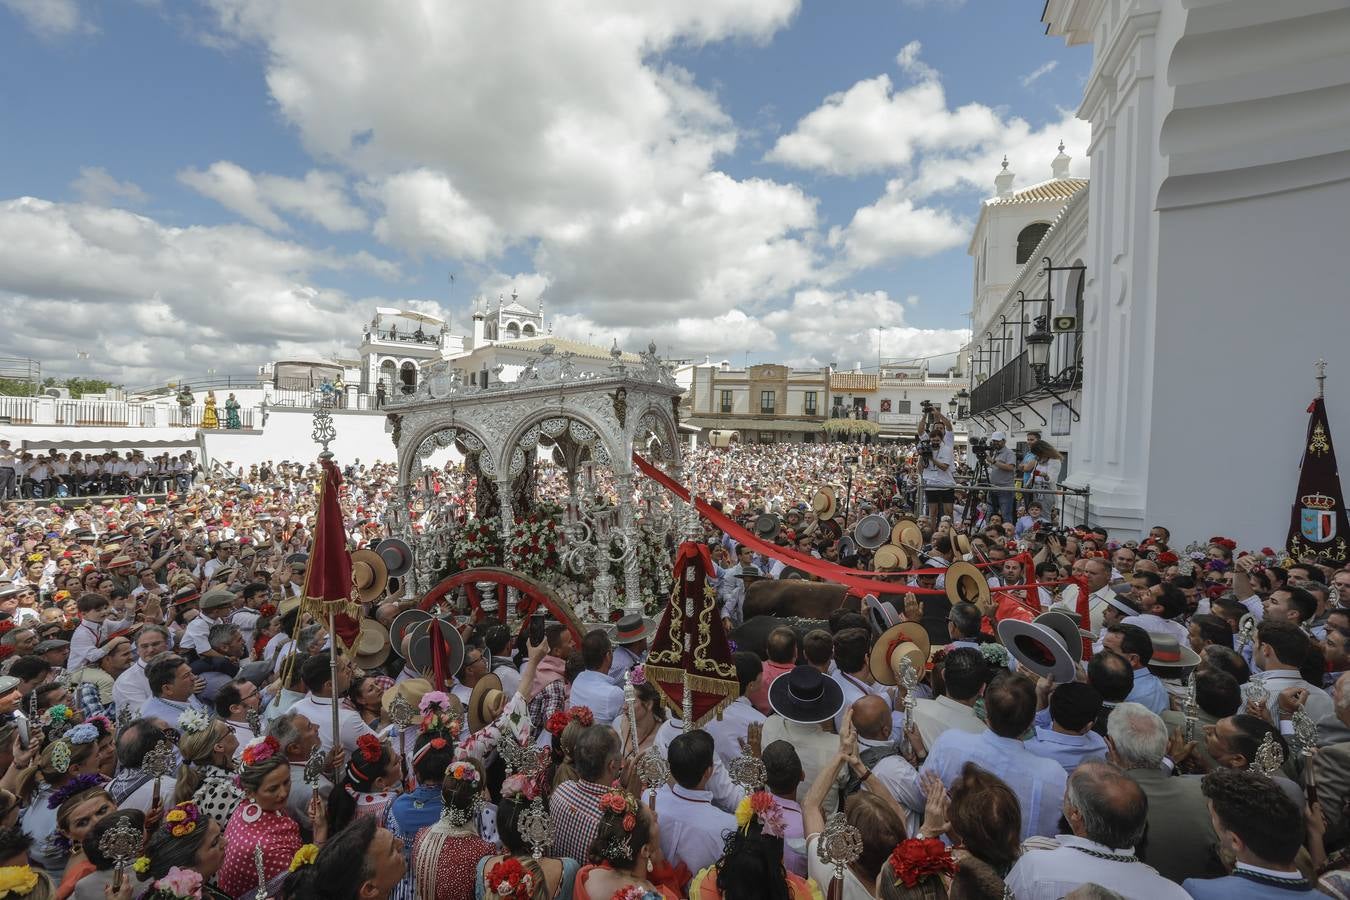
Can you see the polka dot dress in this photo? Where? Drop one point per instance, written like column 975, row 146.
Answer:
column 218, row 795
column 276, row 832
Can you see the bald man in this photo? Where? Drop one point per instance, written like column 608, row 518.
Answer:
column 881, row 758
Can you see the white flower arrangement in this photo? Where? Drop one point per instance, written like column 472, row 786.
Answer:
column 192, row 721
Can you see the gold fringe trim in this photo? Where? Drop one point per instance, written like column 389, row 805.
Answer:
column 727, row 690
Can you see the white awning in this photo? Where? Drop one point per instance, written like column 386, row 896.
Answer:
column 384, row 311
column 110, row 438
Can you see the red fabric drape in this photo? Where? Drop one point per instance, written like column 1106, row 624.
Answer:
column 328, row 576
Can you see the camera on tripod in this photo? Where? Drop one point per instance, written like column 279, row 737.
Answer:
column 980, row 447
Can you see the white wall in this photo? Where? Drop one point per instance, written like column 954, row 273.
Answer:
column 360, row 435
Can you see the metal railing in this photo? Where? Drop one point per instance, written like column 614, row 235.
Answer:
column 1057, row 495
column 113, row 413
column 1017, row 379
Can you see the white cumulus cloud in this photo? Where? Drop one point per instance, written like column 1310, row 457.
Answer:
column 320, row 197
column 96, row 185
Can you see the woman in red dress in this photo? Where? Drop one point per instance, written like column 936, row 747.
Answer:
column 261, row 820
column 626, row 853
column 446, row 855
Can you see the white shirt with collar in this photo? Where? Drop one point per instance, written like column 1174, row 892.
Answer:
column 815, row 748
column 1319, row 704
column 733, row 727
column 319, row 710
column 725, row 794
column 196, row 634
column 1097, row 601
column 1158, row 625
column 131, row 689
column 692, row 828
column 933, row 717
column 603, row 697
column 1049, row 874
column 855, row 689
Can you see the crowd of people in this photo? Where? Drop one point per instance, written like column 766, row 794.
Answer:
column 1142, row 722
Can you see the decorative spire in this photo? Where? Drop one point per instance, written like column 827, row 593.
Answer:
column 1003, row 183
column 1059, row 167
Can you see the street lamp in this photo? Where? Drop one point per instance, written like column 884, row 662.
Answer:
column 951, row 408
column 962, row 401
column 1038, row 349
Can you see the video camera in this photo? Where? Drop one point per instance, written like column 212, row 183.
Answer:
column 980, row 447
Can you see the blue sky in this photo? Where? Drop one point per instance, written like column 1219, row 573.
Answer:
column 223, row 181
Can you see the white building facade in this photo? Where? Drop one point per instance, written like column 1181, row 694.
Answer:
column 1215, row 264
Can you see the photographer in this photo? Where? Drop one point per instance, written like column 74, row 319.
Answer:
column 1002, row 473
column 937, row 451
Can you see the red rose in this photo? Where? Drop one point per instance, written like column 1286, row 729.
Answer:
column 629, row 822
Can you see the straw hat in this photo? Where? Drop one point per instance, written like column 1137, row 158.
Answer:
column 965, row 583
column 824, row 503
column 908, row 639
column 487, row 693
column 372, row 645
column 907, row 533
column 369, row 574
column 411, row 689
column 890, row 558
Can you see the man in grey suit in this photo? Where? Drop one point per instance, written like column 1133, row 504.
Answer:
column 1180, row 841
column 1258, row 822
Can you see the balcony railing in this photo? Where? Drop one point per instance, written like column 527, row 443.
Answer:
column 1017, row 380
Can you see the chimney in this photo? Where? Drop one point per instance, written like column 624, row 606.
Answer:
column 1003, row 182
column 477, row 323
column 1059, row 167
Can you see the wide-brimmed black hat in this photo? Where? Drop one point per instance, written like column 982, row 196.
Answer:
column 806, row 696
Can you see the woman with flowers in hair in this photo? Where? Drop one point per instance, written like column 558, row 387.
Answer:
column 566, row 727
column 59, row 763
column 206, row 775
column 421, row 807
column 187, row 838
column 526, row 877
column 917, row 869
column 446, row 855
column 79, row 803
column 625, row 855
column 261, row 820
column 25, row 882
column 373, row 776
column 752, row 859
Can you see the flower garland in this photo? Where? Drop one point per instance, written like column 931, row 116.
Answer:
column 508, row 878
column 17, row 881
column 305, row 856
column 763, row 806
column 178, row 884
column 438, row 716
column 260, row 750
column 77, row 785
column 915, row 859
column 463, row 771
column 478, row 543
column 532, row 546
column 181, row 820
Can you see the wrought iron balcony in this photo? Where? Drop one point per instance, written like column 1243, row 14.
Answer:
column 1016, row 381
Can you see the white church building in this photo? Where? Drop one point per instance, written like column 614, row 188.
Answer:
column 1213, row 254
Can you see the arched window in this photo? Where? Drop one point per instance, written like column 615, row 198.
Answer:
column 1029, row 239
column 527, row 330
column 407, row 376
column 512, row 331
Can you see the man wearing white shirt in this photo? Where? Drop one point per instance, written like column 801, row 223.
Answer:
column 593, row 688
column 196, row 635
column 729, row 731
column 692, row 828
column 8, row 481
column 1098, row 574
column 233, row 702
column 1280, row 650
column 131, row 689
column 963, row 675
column 1107, row 813
column 1161, row 604
column 317, row 705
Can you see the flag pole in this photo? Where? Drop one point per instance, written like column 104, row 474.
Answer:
column 333, row 670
